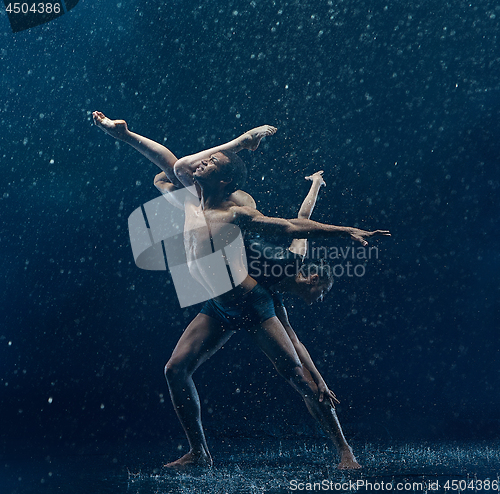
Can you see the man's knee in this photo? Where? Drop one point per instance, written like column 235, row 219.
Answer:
column 175, row 370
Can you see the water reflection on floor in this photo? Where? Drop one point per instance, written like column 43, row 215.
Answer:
column 257, row 466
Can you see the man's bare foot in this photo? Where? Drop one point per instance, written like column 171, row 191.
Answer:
column 115, row 128
column 317, row 176
column 251, row 139
column 348, row 461
column 191, row 459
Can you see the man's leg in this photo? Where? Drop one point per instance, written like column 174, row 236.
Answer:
column 165, row 159
column 272, row 338
column 249, row 140
column 201, row 339
column 299, row 245
column 153, row 151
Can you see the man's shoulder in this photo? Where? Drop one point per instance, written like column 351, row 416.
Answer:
column 242, row 198
column 243, row 212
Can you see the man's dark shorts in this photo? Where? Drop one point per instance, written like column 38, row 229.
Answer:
column 253, row 308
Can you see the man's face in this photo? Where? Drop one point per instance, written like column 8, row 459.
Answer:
column 209, row 169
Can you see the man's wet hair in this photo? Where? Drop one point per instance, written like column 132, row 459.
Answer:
column 321, row 268
column 235, row 170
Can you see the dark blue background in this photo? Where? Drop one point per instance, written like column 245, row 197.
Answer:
column 399, row 104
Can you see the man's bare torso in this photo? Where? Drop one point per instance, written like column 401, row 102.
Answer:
column 208, row 231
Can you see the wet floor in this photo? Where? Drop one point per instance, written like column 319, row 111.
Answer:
column 257, row 466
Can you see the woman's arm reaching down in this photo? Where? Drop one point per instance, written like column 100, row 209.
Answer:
column 323, row 391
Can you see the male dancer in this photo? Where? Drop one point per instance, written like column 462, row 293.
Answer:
column 247, row 305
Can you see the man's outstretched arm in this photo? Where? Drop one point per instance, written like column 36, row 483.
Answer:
column 186, row 166
column 252, row 220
